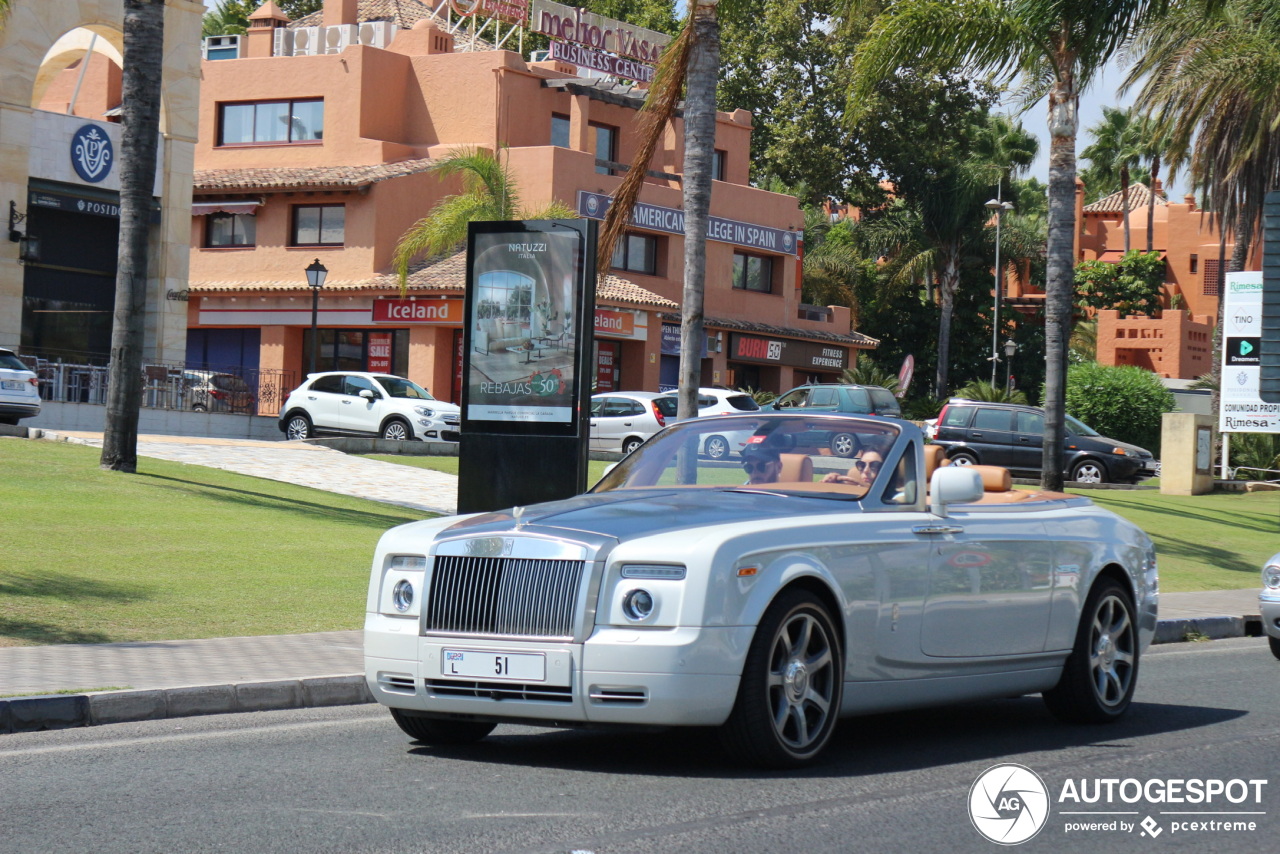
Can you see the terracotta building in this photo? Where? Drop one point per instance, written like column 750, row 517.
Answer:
column 316, row 141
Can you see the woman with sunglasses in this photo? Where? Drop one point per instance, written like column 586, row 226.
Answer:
column 866, row 465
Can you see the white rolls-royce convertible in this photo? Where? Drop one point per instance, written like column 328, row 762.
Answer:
column 767, row 596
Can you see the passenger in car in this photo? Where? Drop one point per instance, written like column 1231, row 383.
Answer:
column 866, row 465
column 762, row 465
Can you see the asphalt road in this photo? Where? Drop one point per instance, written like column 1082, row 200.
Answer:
column 347, row 780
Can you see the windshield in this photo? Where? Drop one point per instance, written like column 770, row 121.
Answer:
column 1079, row 428
column 820, row 455
column 400, row 387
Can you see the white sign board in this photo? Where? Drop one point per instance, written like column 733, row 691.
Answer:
column 1241, row 408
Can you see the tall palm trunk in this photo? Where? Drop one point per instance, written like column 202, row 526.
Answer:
column 948, row 285
column 140, row 93
column 1151, row 203
column 1124, row 204
column 1064, row 124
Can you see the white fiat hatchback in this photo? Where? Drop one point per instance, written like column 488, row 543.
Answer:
column 347, row 403
column 19, row 389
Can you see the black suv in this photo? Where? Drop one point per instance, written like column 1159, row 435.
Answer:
column 1009, row 435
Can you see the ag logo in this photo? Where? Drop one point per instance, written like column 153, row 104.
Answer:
column 1008, row 804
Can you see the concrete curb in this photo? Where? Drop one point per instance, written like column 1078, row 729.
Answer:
column 60, row 711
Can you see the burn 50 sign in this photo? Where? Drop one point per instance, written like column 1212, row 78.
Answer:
column 781, row 351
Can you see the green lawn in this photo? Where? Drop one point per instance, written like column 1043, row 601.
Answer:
column 1204, row 542
column 449, row 465
column 176, row 551
column 179, row 551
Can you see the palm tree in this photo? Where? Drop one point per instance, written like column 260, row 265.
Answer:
column 831, row 267
column 489, row 194
column 1207, row 75
column 140, row 120
column 227, row 18
column 1153, row 142
column 690, row 64
column 1055, row 47
column 1117, row 147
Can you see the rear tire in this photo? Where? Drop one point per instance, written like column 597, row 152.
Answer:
column 1099, row 676
column 1275, row 645
column 298, row 427
column 434, row 731
column 631, row 444
column 716, row 448
column 789, row 694
column 963, row 458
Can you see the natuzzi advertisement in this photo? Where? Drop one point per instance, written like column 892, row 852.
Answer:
column 522, row 319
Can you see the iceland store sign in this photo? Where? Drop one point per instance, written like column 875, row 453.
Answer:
column 92, row 153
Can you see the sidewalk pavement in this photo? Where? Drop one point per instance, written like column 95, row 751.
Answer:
column 118, row 682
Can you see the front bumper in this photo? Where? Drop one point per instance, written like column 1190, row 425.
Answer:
column 668, row 677
column 1269, row 608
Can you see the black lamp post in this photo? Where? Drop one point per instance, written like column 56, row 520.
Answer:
column 1010, row 347
column 315, row 280
column 999, row 209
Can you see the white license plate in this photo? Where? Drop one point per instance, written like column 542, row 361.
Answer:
column 490, row 664
column 12, row 385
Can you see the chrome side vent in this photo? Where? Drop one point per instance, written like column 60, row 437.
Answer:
column 397, row 683
column 602, row 695
column 511, row 597
column 500, row 691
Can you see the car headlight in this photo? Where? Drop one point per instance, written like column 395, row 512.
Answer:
column 425, row 410
column 638, row 570
column 637, row 605
column 1124, row 452
column 1271, row 576
column 402, row 595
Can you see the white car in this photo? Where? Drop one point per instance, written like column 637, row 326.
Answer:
column 623, row 420
column 720, row 401
column 348, row 403
column 1269, row 603
column 769, row 609
column 19, row 389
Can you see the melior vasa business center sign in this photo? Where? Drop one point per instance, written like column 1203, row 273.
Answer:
column 782, row 351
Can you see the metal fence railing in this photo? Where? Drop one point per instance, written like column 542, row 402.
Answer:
column 174, row 386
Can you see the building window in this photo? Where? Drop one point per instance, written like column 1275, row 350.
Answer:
column 225, row 229
column 1212, row 282
column 752, row 273
column 1195, row 263
column 319, row 225
column 270, row 122
column 560, row 130
column 717, row 164
column 606, row 146
column 636, row 253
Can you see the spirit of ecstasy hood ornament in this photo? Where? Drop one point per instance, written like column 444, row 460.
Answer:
column 517, row 513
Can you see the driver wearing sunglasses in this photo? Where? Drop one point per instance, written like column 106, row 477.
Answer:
column 762, row 465
column 866, row 465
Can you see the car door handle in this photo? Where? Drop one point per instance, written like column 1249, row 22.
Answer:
column 937, row 529
column 346, row 403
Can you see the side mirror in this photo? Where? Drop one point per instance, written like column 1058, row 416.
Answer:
column 368, row 394
column 953, row 485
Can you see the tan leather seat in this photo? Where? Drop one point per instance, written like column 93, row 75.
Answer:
column 994, row 478
column 796, row 468
column 933, row 460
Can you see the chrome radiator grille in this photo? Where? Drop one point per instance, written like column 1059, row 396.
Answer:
column 503, row 596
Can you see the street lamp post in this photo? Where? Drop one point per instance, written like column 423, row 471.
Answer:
column 316, row 274
column 997, row 207
column 1010, row 347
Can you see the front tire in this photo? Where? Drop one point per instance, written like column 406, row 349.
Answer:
column 297, row 427
column 1275, row 645
column 789, row 695
column 433, row 731
column 1101, row 673
column 843, row 445
column 716, row 448
column 396, row 430
column 1088, row 471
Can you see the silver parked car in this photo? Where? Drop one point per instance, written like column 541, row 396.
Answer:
column 720, row 401
column 623, row 420
column 19, row 389
column 354, row 403
column 1269, row 603
column 758, row 598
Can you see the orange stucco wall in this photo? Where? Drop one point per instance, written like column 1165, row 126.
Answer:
column 1174, row 344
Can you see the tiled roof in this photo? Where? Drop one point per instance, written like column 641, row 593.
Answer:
column 856, row 339
column 446, row 275
column 308, row 178
column 1139, row 196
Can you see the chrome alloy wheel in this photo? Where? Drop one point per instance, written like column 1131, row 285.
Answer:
column 802, row 681
column 1112, row 646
